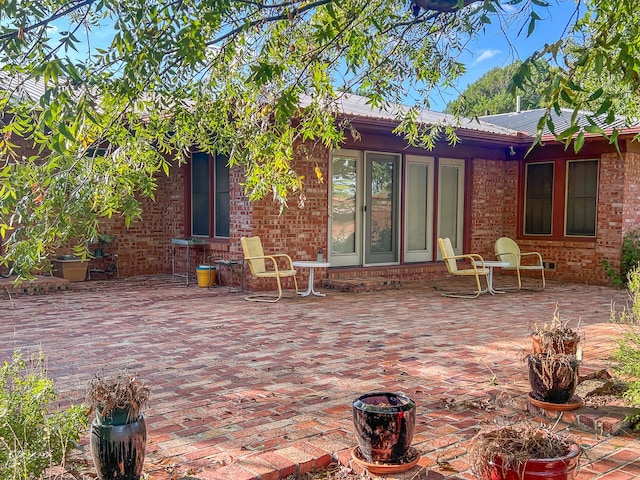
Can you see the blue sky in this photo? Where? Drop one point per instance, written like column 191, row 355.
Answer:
column 496, row 48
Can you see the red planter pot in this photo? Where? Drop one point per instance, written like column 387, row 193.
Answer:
column 561, row 468
column 570, row 347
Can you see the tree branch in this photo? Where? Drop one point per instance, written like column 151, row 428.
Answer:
column 47, row 20
column 444, row 5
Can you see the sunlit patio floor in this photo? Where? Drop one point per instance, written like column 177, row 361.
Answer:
column 243, row 390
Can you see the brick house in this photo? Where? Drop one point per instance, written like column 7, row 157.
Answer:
column 383, row 203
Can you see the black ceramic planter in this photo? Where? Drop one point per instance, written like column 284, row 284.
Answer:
column 558, row 387
column 384, row 424
column 118, row 450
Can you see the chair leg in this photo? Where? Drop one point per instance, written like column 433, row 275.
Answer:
column 262, row 298
column 475, row 294
column 265, row 297
column 271, row 298
column 533, row 289
column 479, row 291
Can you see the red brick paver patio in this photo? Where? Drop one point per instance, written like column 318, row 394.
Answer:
column 244, row 390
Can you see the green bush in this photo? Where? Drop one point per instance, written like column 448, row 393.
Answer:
column 33, row 434
column 629, row 261
column 627, row 353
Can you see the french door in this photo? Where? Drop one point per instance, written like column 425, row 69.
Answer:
column 364, row 208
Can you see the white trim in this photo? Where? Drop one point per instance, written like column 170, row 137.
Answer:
column 459, row 233
column 425, row 255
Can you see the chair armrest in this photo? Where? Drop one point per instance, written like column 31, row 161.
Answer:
column 472, row 257
column 533, row 254
column 265, row 257
column 284, row 255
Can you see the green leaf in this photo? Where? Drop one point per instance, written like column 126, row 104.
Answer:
column 578, row 142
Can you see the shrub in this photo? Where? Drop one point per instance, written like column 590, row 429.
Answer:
column 628, row 346
column 629, row 261
column 33, row 434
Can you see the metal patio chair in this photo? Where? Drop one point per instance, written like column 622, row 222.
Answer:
column 477, row 269
column 508, row 250
column 266, row 266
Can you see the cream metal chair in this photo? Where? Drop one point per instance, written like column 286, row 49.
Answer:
column 477, row 269
column 508, row 251
column 266, row 266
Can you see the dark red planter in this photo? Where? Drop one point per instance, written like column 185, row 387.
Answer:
column 563, row 385
column 561, row 468
column 384, row 424
column 118, row 450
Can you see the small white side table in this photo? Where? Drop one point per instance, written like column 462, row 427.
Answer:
column 311, row 266
column 491, row 264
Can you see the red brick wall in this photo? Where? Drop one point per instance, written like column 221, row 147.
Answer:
column 298, row 232
column 486, row 221
column 575, row 260
column 145, row 247
column 631, row 206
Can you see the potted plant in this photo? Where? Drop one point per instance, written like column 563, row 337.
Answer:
column 102, row 240
column 118, row 432
column 555, row 337
column 553, row 377
column 554, row 362
column 384, row 424
column 524, row 452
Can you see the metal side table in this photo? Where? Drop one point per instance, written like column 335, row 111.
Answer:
column 188, row 243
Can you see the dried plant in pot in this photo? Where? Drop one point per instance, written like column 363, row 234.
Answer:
column 117, row 399
column 556, row 337
column 553, row 376
column 524, row 452
column 118, row 434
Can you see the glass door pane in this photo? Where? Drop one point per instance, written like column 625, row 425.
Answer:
column 419, row 209
column 381, row 232
column 345, row 218
column 451, row 201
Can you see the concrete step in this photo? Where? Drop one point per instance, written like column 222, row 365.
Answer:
column 362, row 284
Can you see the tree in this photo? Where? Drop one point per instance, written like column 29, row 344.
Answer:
column 598, row 69
column 245, row 78
column 491, row 93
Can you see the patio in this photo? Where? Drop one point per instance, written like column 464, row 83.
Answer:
column 242, row 390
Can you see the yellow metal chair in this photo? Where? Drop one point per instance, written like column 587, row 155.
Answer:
column 477, row 269
column 266, row 266
column 508, row 251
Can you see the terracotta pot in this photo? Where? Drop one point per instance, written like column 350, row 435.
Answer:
column 563, row 384
column 118, row 450
column 569, row 347
column 384, row 424
column 561, row 468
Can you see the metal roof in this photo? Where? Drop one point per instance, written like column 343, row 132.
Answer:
column 21, row 86
column 356, row 105
column 527, row 121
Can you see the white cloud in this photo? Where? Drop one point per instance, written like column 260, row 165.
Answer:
column 508, row 8
column 486, row 55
